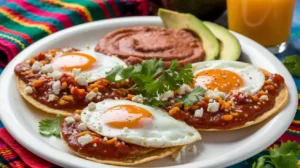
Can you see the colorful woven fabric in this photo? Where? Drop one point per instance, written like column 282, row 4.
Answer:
column 26, row 21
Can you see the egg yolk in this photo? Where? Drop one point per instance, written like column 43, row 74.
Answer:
column 69, row 61
column 129, row 116
column 223, row 80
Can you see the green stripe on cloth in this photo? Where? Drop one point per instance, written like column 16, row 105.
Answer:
column 110, row 10
column 34, row 17
column 72, row 14
column 31, row 31
column 91, row 6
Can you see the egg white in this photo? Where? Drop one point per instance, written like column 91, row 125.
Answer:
column 252, row 76
column 165, row 131
column 103, row 64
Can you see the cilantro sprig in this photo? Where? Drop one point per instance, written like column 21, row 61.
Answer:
column 50, row 127
column 292, row 63
column 151, row 79
column 283, row 156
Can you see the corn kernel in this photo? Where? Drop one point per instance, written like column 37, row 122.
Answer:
column 95, row 90
column 194, row 107
column 186, row 108
column 255, row 98
column 245, row 115
column 62, row 102
column 174, row 110
column 78, row 111
column 227, row 117
column 130, row 96
column 37, row 83
column 111, row 141
column 178, row 104
column 64, row 85
column 27, row 72
column 68, row 97
column 269, row 87
column 43, row 62
column 234, row 114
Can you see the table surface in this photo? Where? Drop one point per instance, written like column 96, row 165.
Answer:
column 293, row 48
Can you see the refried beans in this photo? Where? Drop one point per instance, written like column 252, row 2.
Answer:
column 135, row 44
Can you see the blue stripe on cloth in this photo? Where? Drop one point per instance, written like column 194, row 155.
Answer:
column 1, row 125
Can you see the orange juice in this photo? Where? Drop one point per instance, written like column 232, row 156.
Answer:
column 266, row 21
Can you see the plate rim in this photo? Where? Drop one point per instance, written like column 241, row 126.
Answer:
column 10, row 122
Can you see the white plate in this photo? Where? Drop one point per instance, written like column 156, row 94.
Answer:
column 217, row 149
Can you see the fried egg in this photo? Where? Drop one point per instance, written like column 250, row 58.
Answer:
column 226, row 76
column 89, row 64
column 138, row 124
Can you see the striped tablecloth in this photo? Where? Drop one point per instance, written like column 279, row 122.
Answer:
column 44, row 17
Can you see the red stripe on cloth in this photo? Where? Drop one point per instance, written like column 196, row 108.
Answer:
column 61, row 17
column 103, row 7
column 24, row 19
column 24, row 36
column 294, row 128
column 289, row 137
column 29, row 158
column 10, row 156
column 11, row 47
column 115, row 8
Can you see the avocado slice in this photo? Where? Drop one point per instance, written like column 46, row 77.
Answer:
column 191, row 23
column 230, row 46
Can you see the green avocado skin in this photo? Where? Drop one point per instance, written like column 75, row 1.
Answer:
column 230, row 46
column 203, row 9
column 191, row 23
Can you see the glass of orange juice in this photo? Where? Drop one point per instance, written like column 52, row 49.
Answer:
column 266, row 21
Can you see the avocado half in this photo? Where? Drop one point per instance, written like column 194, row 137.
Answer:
column 230, row 46
column 191, row 23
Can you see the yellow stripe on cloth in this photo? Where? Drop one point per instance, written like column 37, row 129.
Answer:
column 298, row 96
column 13, row 39
column 74, row 6
column 16, row 19
column 296, row 121
column 294, row 131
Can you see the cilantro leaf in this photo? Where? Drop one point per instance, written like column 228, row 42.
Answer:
column 283, row 156
column 50, row 127
column 111, row 75
column 193, row 97
column 292, row 63
column 151, row 79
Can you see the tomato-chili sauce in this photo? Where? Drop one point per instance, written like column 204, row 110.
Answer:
column 98, row 148
column 246, row 107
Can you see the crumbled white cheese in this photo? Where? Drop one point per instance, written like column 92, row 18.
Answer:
column 75, row 72
column 98, row 97
column 52, row 97
column 185, row 89
column 92, row 106
column 172, row 101
column 36, row 67
column 105, row 139
column 47, row 69
column 165, row 96
column 48, row 56
column 82, row 127
column 77, row 117
column 95, row 145
column 213, row 107
column 199, row 112
column 246, row 90
column 138, row 98
column 28, row 90
column 83, row 140
column 69, row 120
column 213, row 94
column 200, row 98
column 56, row 87
column 81, row 80
column 56, row 75
column 264, row 98
column 90, row 96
